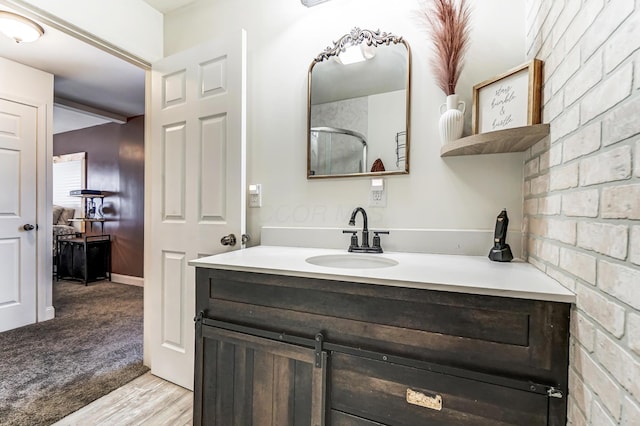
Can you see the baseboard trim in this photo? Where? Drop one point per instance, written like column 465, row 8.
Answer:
column 127, row 279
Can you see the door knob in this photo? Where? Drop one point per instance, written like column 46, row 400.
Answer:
column 28, row 227
column 229, row 240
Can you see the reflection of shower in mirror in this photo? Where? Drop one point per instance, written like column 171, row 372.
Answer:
column 337, row 151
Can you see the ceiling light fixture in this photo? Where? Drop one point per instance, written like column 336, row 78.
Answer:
column 18, row 28
column 351, row 55
column 354, row 54
column 310, row 3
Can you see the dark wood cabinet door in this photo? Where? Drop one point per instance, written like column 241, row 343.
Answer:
column 246, row 380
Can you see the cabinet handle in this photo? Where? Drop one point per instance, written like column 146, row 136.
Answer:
column 422, row 400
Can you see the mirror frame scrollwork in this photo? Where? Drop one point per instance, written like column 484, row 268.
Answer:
column 356, row 37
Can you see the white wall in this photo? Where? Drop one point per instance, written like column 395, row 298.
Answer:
column 131, row 25
column 284, row 36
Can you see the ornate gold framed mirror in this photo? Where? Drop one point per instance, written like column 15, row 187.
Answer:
column 358, row 109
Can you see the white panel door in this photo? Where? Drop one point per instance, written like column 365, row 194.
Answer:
column 197, row 161
column 17, row 214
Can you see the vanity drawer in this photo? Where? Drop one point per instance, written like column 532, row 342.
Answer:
column 397, row 395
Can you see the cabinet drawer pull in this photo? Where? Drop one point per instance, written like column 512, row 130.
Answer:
column 418, row 398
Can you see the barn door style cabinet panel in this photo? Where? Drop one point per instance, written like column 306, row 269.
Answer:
column 286, row 350
column 248, row 380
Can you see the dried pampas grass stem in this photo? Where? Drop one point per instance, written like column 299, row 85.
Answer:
column 448, row 26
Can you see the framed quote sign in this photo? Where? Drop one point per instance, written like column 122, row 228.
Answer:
column 508, row 100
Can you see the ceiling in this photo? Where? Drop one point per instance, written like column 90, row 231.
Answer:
column 85, row 77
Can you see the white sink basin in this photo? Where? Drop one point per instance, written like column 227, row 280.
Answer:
column 351, row 261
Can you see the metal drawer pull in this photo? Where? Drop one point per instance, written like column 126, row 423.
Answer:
column 418, row 398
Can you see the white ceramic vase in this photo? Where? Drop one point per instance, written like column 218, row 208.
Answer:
column 451, row 119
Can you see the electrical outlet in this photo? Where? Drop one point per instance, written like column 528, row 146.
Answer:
column 377, row 194
column 255, row 195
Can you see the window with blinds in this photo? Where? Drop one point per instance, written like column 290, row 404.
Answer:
column 69, row 173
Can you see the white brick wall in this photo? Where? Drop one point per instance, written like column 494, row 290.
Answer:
column 621, row 202
column 584, row 80
column 604, row 238
column 584, row 329
column 600, row 417
column 583, row 203
column 555, row 155
column 634, row 245
column 620, row 281
column 540, row 184
column 606, row 167
column 604, row 96
column 630, row 412
column 581, row 400
column 549, row 205
column 594, row 373
column 562, row 277
column 602, row 310
column 579, row 264
column 604, row 25
column 584, row 141
column 617, row 47
column 636, row 79
column 566, row 122
column 585, row 17
column 562, row 230
column 564, row 177
column 633, row 337
column 619, row 363
column 621, row 123
column 636, row 164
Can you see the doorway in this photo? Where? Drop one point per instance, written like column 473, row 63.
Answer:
column 60, row 52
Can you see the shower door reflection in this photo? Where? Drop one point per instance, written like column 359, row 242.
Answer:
column 336, row 151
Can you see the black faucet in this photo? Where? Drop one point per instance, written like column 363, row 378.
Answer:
column 364, row 248
column 365, row 226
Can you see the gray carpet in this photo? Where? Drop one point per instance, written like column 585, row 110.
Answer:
column 93, row 346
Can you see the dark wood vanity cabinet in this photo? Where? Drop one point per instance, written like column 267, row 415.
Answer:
column 282, row 350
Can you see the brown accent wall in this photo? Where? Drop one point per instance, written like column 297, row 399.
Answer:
column 115, row 163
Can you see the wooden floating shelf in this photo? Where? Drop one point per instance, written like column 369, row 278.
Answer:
column 517, row 139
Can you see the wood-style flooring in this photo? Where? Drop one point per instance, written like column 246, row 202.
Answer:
column 147, row 400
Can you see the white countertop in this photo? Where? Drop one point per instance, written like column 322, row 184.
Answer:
column 461, row 274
